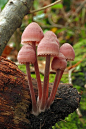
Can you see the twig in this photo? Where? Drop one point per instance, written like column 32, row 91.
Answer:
column 45, row 6
column 80, row 7
column 61, row 26
column 70, row 81
column 78, row 112
column 70, row 78
column 75, row 14
column 83, row 15
column 77, row 10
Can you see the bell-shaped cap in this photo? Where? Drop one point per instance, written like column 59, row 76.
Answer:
column 32, row 32
column 59, row 62
column 51, row 35
column 67, row 50
column 48, row 47
column 26, row 54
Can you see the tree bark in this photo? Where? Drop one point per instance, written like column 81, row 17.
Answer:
column 15, row 101
column 11, row 18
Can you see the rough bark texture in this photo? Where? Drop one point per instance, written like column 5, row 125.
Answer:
column 15, row 101
column 11, row 18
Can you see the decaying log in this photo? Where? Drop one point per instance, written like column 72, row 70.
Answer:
column 15, row 101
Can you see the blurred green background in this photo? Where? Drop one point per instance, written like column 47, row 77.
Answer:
column 67, row 20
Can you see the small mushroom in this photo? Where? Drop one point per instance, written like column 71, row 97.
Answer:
column 47, row 48
column 58, row 64
column 32, row 35
column 26, row 56
column 67, row 50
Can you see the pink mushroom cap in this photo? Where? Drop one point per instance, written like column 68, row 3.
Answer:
column 26, row 54
column 67, row 50
column 59, row 62
column 48, row 47
column 32, row 32
column 51, row 35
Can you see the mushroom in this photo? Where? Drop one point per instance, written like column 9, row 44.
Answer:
column 53, row 37
column 32, row 35
column 50, row 34
column 26, row 56
column 59, row 64
column 67, row 50
column 47, row 47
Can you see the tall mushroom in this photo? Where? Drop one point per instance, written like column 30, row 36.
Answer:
column 26, row 56
column 53, row 37
column 47, row 47
column 58, row 64
column 33, row 35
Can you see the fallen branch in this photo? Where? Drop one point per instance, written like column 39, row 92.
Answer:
column 15, row 101
column 11, row 18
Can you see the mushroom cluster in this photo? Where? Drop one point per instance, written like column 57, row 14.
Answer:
column 47, row 46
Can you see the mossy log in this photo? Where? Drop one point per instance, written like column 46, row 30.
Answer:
column 15, row 101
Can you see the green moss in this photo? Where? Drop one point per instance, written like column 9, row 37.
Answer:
column 70, row 122
column 80, row 50
column 64, row 78
column 22, row 68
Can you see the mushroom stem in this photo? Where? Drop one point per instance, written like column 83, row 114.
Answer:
column 45, row 84
column 34, row 104
column 37, row 76
column 47, row 88
column 38, row 80
column 55, row 86
column 61, row 73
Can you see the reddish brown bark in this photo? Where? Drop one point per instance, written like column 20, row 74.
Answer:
column 15, row 101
